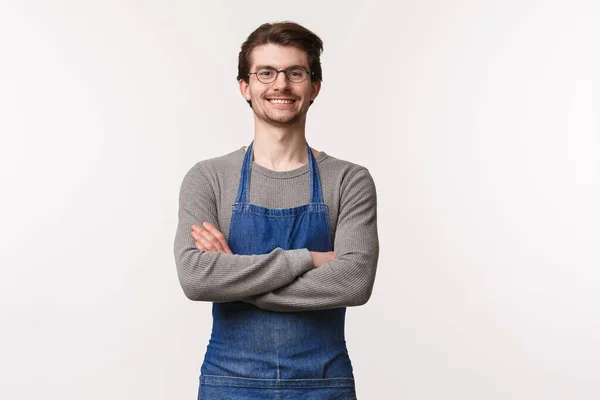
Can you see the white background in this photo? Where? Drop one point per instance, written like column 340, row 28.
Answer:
column 477, row 119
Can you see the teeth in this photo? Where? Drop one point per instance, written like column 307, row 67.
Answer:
column 280, row 101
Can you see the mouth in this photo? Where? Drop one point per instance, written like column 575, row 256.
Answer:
column 281, row 101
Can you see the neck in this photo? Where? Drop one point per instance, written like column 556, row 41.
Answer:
column 280, row 148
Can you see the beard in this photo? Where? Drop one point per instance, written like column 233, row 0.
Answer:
column 279, row 117
column 282, row 118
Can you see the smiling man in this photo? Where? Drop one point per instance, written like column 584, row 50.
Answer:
column 279, row 236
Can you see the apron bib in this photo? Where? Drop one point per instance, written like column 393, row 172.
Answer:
column 259, row 354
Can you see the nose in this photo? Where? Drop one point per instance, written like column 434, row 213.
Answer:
column 281, row 81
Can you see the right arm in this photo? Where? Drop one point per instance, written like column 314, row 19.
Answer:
column 221, row 277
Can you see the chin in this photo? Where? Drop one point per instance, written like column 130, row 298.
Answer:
column 287, row 120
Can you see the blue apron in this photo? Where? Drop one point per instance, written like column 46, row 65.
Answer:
column 259, row 354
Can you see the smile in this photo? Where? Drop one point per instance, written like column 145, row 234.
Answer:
column 281, row 101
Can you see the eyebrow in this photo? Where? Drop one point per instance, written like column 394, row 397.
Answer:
column 291, row 66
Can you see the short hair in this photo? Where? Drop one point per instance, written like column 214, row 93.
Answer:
column 284, row 33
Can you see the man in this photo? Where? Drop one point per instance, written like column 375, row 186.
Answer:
column 279, row 236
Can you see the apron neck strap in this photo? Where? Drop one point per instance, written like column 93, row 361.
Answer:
column 316, row 193
column 243, row 195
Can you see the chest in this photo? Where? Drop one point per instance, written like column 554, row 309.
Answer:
column 275, row 193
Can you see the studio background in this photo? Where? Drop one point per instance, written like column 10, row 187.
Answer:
column 477, row 119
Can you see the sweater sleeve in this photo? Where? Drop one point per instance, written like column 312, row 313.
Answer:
column 348, row 280
column 220, row 277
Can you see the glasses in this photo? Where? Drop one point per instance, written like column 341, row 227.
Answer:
column 270, row 74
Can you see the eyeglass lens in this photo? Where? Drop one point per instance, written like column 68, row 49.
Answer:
column 268, row 75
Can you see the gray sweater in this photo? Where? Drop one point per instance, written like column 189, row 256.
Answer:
column 282, row 280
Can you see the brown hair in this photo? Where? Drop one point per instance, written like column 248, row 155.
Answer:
column 285, row 33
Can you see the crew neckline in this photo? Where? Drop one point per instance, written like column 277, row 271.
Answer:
column 282, row 174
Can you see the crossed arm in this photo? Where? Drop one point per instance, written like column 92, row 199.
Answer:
column 209, row 238
column 283, row 280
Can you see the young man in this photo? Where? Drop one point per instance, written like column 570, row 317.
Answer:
column 279, row 236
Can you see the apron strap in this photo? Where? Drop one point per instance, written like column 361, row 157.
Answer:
column 243, row 195
column 316, row 193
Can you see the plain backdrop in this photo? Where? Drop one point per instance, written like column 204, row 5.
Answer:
column 478, row 120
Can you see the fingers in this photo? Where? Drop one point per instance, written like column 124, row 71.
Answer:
column 218, row 236
column 208, row 245
column 206, row 239
column 209, row 238
column 322, row 258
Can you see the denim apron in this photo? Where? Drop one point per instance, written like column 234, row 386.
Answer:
column 259, row 354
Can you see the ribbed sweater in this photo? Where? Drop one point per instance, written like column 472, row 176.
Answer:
column 282, row 280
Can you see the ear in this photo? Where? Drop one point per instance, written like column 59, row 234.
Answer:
column 316, row 88
column 245, row 89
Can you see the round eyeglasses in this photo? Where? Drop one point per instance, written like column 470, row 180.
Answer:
column 270, row 74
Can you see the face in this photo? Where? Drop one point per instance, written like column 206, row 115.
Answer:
column 281, row 102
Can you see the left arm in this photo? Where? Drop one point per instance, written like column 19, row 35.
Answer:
column 347, row 280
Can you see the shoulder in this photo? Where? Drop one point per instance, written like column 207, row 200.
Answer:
column 213, row 168
column 356, row 192
column 214, row 172
column 335, row 171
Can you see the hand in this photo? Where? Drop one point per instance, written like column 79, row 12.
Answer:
column 321, row 258
column 208, row 238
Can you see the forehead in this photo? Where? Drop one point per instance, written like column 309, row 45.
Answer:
column 278, row 56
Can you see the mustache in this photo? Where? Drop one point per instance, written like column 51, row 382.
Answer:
column 287, row 95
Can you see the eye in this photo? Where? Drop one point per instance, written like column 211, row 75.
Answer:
column 296, row 72
column 265, row 72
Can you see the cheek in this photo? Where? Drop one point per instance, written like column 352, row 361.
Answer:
column 308, row 93
column 249, row 93
column 255, row 93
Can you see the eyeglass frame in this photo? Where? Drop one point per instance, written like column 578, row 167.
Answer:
column 285, row 71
